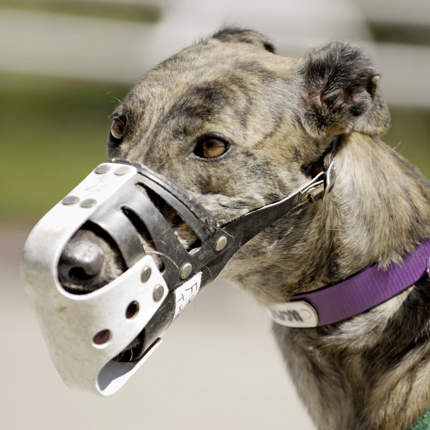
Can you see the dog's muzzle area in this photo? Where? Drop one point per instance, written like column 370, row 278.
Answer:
column 92, row 259
column 112, row 265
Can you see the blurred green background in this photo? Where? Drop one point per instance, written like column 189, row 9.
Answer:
column 54, row 129
column 54, row 132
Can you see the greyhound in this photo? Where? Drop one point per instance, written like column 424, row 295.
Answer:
column 240, row 127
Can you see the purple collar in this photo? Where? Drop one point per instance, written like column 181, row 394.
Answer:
column 354, row 295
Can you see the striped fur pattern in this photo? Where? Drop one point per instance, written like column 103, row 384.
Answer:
column 278, row 117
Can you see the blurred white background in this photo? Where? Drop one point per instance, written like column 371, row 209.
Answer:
column 41, row 40
column 218, row 367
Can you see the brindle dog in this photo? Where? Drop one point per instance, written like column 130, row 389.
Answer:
column 239, row 127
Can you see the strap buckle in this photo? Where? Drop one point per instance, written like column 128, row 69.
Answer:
column 322, row 184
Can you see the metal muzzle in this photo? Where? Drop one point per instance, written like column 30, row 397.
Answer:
column 87, row 333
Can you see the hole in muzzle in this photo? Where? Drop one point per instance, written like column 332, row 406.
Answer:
column 156, row 326
column 132, row 310
column 102, row 338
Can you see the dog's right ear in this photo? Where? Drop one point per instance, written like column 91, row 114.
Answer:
column 239, row 35
column 338, row 92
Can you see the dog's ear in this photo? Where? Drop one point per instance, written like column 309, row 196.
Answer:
column 338, row 92
column 239, row 35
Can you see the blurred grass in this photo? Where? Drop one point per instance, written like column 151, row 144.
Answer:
column 409, row 134
column 54, row 133
column 94, row 9
column 397, row 32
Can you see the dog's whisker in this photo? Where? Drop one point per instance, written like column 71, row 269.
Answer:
column 113, row 97
column 152, row 252
column 208, row 269
column 397, row 145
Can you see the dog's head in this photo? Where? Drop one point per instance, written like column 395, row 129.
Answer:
column 238, row 127
column 223, row 128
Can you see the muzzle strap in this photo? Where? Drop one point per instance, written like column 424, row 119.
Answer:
column 175, row 194
column 112, row 219
column 200, row 229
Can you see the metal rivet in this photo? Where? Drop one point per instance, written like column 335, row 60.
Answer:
column 146, row 274
column 305, row 314
column 158, row 293
column 88, row 203
column 186, row 271
column 70, row 200
column 123, row 170
column 220, row 243
column 103, row 168
column 132, row 310
column 102, row 337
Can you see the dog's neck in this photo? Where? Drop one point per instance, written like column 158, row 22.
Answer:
column 378, row 211
column 380, row 205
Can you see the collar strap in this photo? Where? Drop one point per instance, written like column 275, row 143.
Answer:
column 353, row 296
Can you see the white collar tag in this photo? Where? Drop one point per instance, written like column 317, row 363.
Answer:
column 294, row 314
column 185, row 293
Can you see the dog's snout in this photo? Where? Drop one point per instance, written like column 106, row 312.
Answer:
column 81, row 261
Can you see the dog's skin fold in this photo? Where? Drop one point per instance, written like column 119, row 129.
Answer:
column 273, row 119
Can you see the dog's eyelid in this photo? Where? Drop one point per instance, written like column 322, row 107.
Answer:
column 116, row 115
column 118, row 129
column 217, row 149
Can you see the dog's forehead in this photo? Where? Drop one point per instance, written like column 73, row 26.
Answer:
column 210, row 73
column 203, row 63
column 207, row 88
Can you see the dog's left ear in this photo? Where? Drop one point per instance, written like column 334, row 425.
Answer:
column 240, row 35
column 338, row 92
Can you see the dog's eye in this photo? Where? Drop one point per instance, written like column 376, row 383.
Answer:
column 211, row 147
column 117, row 130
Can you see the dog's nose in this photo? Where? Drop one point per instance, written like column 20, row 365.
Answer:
column 81, row 261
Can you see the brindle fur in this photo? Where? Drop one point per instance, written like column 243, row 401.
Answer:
column 280, row 116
